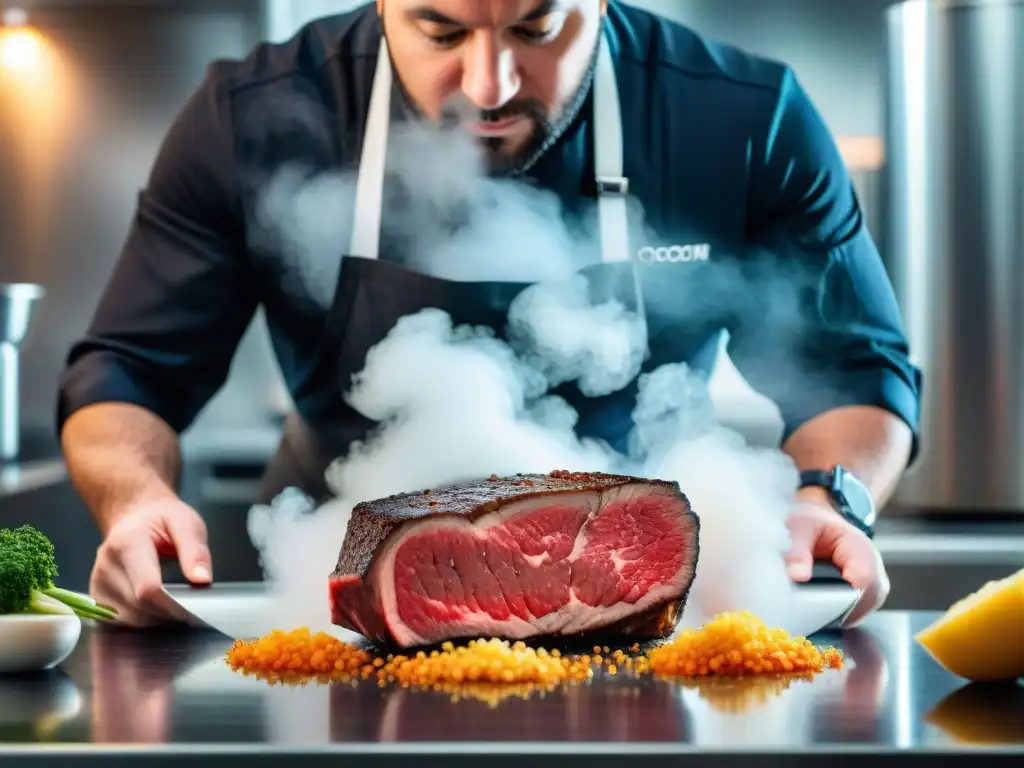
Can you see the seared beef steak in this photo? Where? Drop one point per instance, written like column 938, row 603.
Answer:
column 517, row 557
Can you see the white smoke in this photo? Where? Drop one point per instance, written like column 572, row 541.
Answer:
column 457, row 403
column 556, row 329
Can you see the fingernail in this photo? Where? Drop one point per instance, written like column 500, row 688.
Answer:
column 798, row 572
column 201, row 573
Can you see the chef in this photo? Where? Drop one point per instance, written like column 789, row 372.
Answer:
column 594, row 100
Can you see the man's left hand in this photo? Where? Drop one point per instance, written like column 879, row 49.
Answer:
column 818, row 532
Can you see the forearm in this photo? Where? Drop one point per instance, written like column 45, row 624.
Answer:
column 870, row 442
column 119, row 455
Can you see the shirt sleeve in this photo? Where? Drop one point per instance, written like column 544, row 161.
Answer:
column 181, row 294
column 820, row 327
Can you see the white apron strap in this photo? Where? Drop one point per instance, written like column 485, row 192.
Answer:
column 612, row 187
column 365, row 241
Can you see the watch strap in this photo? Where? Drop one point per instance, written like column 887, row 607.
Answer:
column 817, row 477
column 832, row 481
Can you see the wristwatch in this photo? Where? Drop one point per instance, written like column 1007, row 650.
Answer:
column 848, row 495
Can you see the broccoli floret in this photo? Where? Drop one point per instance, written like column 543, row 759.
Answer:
column 35, row 549
column 27, row 573
column 16, row 586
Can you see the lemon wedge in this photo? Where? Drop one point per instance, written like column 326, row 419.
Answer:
column 981, row 637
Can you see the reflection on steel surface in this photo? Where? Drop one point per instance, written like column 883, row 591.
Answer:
column 162, row 689
column 981, row 714
column 34, row 707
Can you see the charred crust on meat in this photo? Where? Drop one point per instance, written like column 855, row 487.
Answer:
column 656, row 622
column 373, row 521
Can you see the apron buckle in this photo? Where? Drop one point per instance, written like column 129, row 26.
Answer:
column 612, row 185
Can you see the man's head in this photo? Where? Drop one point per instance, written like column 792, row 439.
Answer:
column 510, row 72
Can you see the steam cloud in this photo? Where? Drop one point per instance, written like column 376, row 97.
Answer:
column 458, row 403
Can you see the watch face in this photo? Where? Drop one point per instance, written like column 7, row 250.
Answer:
column 859, row 499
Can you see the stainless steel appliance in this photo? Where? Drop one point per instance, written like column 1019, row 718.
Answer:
column 16, row 303
column 956, row 187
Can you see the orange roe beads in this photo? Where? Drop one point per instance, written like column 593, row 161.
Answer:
column 832, row 658
column 739, row 644
column 731, row 645
column 300, row 653
column 483, row 661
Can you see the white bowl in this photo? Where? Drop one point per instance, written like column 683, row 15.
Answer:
column 32, row 643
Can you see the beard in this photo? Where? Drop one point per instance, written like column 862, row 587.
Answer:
column 546, row 128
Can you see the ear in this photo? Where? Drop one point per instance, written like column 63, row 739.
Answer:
column 380, row 7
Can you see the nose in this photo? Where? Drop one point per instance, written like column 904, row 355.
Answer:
column 489, row 77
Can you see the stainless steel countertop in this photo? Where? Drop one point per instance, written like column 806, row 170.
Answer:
column 147, row 696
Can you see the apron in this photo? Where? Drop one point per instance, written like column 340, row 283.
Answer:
column 371, row 295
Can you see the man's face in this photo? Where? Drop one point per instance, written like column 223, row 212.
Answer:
column 505, row 71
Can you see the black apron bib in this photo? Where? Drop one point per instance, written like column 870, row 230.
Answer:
column 373, row 295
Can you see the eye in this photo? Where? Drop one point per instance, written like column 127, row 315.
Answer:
column 543, row 30
column 531, row 35
column 449, row 39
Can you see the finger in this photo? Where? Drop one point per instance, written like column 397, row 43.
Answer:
column 188, row 533
column 109, row 584
column 141, row 564
column 855, row 556
column 800, row 556
column 144, row 602
column 865, row 606
column 873, row 597
column 862, row 567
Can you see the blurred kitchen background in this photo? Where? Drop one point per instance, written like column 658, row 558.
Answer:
column 927, row 105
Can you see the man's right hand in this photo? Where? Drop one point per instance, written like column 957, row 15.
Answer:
column 127, row 574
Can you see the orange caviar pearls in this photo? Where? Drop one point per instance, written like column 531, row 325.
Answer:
column 300, row 653
column 731, row 645
column 735, row 644
column 484, row 661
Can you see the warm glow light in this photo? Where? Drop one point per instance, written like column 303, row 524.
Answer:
column 39, row 101
column 20, row 49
